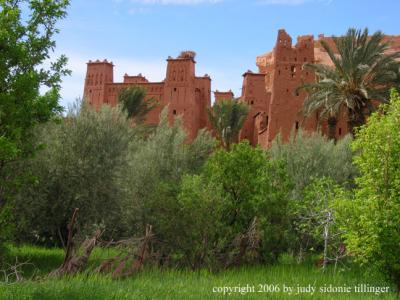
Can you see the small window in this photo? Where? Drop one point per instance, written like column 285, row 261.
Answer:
column 174, row 112
column 305, row 59
column 340, row 131
column 293, row 69
column 287, row 90
column 297, row 93
column 252, row 102
column 174, row 89
column 295, row 59
column 297, row 125
column 279, row 72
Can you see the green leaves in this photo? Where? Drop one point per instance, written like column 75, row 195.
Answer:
column 79, row 166
column 362, row 71
column 234, row 189
column 227, row 118
column 135, row 104
column 371, row 220
column 26, row 44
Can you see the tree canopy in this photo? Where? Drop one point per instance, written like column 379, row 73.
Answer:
column 27, row 30
column 362, row 72
column 227, row 118
column 371, row 220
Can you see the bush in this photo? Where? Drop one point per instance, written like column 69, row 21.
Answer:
column 310, row 156
column 79, row 166
column 314, row 220
column 371, row 220
column 152, row 177
column 238, row 203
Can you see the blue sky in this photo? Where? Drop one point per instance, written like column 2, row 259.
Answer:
column 227, row 35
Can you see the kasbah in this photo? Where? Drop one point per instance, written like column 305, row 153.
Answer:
column 271, row 93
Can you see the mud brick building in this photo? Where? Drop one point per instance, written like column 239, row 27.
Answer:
column 270, row 92
column 182, row 91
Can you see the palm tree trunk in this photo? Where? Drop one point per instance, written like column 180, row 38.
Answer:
column 332, row 122
column 356, row 118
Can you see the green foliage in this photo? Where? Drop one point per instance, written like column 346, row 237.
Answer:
column 154, row 283
column 361, row 72
column 152, row 176
column 135, row 104
column 79, row 167
column 239, row 204
column 372, row 220
column 26, row 42
column 310, row 156
column 314, row 220
column 227, row 118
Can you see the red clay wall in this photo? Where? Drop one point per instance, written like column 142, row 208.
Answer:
column 183, row 92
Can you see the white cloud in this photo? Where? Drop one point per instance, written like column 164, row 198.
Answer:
column 176, row 2
column 291, row 2
column 135, row 11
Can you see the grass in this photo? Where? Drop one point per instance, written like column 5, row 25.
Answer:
column 178, row 284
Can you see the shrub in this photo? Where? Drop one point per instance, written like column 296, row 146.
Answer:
column 314, row 220
column 238, row 203
column 78, row 167
column 372, row 220
column 153, row 174
column 310, row 156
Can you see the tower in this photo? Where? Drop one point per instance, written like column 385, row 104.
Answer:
column 287, row 75
column 98, row 75
column 180, row 91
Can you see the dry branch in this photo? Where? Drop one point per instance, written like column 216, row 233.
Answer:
column 125, row 266
column 76, row 259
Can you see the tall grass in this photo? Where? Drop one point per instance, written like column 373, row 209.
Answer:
column 179, row 284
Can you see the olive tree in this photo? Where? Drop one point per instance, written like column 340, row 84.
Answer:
column 79, row 167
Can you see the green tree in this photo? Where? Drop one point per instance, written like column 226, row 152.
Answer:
column 227, row 118
column 314, row 221
column 307, row 157
column 362, row 72
column 310, row 156
column 135, row 104
column 239, row 202
column 372, row 220
column 80, row 166
column 27, row 30
column 152, row 176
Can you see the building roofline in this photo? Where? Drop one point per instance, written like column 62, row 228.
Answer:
column 251, row 73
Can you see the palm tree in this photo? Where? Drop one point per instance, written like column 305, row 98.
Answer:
column 227, row 118
column 134, row 103
column 362, row 72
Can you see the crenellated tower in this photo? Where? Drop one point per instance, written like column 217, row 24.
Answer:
column 287, row 74
column 98, row 75
column 184, row 92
